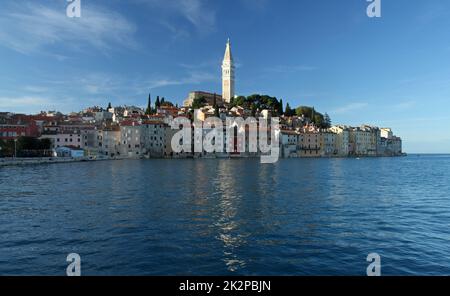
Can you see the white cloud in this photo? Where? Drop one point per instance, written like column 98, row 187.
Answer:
column 92, row 88
column 30, row 27
column 290, row 68
column 19, row 102
column 350, row 107
column 35, row 89
column 196, row 12
column 404, row 105
column 28, row 104
column 192, row 78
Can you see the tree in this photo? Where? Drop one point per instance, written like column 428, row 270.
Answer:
column 239, row 101
column 167, row 104
column 162, row 101
column 216, row 108
column 149, row 110
column 280, row 107
column 327, row 121
column 254, row 108
column 289, row 111
column 199, row 103
column 109, row 106
column 157, row 103
column 316, row 117
column 257, row 101
column 26, row 147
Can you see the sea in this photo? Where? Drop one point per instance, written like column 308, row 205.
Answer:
column 227, row 216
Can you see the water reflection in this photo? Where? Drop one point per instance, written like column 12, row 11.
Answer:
column 228, row 227
column 219, row 217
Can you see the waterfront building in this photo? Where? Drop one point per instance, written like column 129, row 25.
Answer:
column 363, row 141
column 289, row 143
column 342, row 141
column 130, row 139
column 389, row 145
column 64, row 139
column 108, row 142
column 386, row 133
column 394, row 146
column 309, row 142
column 328, row 141
column 69, row 151
column 153, row 137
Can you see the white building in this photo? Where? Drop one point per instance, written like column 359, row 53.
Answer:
column 130, row 139
column 342, row 142
column 153, row 137
column 328, row 143
column 61, row 140
column 289, row 143
column 108, row 142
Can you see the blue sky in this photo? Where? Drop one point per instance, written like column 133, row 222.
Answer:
column 393, row 71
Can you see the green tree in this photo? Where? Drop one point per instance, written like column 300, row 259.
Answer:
column 26, row 147
column 157, row 103
column 280, row 107
column 149, row 110
column 216, row 108
column 327, row 121
column 289, row 111
column 316, row 117
column 261, row 102
column 199, row 103
column 166, row 103
column 239, row 101
column 254, row 109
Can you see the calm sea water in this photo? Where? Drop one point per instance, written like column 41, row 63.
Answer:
column 227, row 217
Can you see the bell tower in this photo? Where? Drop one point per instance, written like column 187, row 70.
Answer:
column 228, row 74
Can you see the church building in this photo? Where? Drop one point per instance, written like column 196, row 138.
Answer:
column 228, row 88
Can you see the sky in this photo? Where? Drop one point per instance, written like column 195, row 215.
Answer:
column 392, row 71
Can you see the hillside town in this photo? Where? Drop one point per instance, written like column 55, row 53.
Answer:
column 117, row 132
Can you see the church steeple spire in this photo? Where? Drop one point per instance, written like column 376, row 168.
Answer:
column 228, row 74
column 228, row 56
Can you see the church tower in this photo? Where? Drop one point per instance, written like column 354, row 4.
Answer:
column 228, row 75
